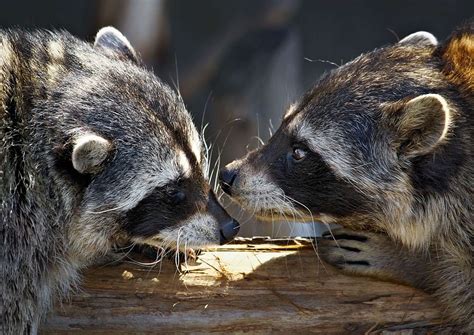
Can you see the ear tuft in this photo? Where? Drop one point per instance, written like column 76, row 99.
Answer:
column 420, row 38
column 112, row 42
column 89, row 153
column 422, row 124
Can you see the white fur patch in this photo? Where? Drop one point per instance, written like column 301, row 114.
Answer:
column 183, row 162
column 56, row 51
column 291, row 110
column 258, row 193
column 54, row 72
column 89, row 152
column 55, row 67
column 6, row 60
column 196, row 146
column 420, row 37
column 112, row 31
column 296, row 123
column 199, row 230
column 6, row 54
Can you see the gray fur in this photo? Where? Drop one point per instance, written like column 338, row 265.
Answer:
column 388, row 139
column 86, row 134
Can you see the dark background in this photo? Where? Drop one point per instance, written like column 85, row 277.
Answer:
column 331, row 30
column 239, row 64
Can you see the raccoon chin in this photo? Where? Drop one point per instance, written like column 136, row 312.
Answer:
column 199, row 231
column 177, row 244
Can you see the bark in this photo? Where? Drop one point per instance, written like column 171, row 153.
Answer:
column 255, row 286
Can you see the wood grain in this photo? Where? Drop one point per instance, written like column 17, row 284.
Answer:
column 252, row 287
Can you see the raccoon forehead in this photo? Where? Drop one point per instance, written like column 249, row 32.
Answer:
column 300, row 128
column 188, row 136
column 184, row 137
column 140, row 180
column 346, row 158
column 170, row 170
column 171, row 112
column 331, row 135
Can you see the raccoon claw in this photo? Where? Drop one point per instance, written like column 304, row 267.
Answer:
column 353, row 252
column 182, row 257
column 340, row 234
column 374, row 255
column 154, row 253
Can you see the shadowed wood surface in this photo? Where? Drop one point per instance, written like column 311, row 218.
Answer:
column 249, row 287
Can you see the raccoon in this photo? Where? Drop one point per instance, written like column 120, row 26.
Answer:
column 382, row 146
column 94, row 149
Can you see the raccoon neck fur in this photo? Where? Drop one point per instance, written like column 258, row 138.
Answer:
column 33, row 212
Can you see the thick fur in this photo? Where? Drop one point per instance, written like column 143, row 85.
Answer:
column 382, row 145
column 93, row 149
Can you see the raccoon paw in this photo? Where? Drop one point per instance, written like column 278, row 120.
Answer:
column 155, row 253
column 359, row 253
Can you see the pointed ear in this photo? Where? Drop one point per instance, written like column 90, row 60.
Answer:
column 420, row 38
column 89, row 152
column 422, row 124
column 112, row 42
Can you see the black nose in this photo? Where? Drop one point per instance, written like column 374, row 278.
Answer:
column 229, row 230
column 227, row 179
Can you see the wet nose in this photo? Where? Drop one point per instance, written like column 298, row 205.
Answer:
column 228, row 231
column 226, row 179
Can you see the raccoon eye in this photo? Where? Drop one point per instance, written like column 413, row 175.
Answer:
column 177, row 197
column 298, row 153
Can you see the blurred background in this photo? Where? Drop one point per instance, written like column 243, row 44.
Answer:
column 239, row 64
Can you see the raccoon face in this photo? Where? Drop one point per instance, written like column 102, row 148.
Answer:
column 130, row 151
column 356, row 145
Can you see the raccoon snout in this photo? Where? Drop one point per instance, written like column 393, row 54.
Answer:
column 227, row 178
column 228, row 227
column 228, row 230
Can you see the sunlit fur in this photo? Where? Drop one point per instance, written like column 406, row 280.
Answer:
column 199, row 231
column 394, row 129
column 86, row 135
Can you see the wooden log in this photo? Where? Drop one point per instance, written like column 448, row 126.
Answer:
column 252, row 287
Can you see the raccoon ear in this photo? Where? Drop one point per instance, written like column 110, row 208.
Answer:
column 420, row 38
column 89, row 152
column 112, row 42
column 422, row 123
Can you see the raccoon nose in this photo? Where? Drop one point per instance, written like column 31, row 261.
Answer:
column 227, row 178
column 228, row 231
